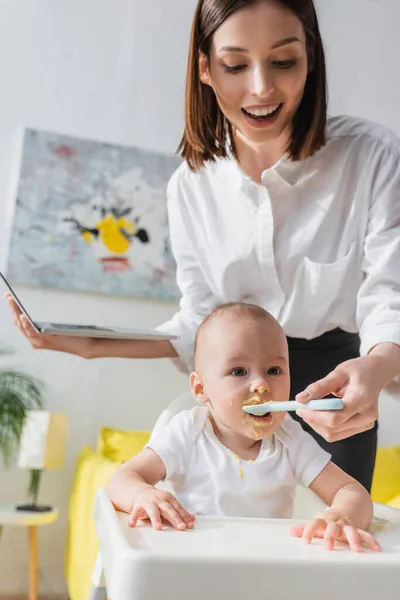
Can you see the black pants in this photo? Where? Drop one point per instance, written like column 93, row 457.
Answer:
column 311, row 360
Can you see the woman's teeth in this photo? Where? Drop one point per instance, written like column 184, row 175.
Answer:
column 262, row 113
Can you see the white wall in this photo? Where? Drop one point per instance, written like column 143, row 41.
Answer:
column 111, row 70
column 114, row 70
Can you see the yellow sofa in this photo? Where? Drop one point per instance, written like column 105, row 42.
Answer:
column 92, row 472
column 114, row 447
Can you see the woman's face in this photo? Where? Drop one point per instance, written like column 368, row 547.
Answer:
column 258, row 69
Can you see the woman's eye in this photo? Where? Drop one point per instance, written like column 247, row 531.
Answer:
column 239, row 372
column 274, row 371
column 285, row 64
column 234, row 69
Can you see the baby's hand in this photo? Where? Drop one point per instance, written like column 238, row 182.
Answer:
column 154, row 504
column 332, row 526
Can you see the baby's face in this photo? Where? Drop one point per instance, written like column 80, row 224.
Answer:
column 241, row 360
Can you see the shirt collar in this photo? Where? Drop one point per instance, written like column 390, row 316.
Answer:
column 285, row 170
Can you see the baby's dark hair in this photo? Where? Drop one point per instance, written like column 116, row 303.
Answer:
column 237, row 309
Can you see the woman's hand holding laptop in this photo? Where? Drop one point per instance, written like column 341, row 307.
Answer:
column 81, row 346
column 90, row 347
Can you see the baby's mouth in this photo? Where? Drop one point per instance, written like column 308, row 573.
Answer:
column 254, row 400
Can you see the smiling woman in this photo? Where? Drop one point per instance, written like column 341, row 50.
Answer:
column 279, row 206
column 270, row 84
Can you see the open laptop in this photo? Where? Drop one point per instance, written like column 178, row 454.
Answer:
column 88, row 330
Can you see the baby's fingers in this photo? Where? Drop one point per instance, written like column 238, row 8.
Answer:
column 137, row 514
column 154, row 514
column 297, row 530
column 332, row 533
column 316, row 528
column 369, row 541
column 149, row 510
column 353, row 538
column 171, row 514
column 188, row 518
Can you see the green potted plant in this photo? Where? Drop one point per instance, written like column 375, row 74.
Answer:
column 19, row 393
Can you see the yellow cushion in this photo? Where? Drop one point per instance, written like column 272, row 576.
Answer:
column 386, row 482
column 119, row 445
column 395, row 502
column 92, row 472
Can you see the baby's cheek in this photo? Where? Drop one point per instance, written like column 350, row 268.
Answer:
column 229, row 407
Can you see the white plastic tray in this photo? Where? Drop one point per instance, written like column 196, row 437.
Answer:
column 237, row 558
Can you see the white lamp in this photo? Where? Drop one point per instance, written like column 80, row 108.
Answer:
column 42, row 447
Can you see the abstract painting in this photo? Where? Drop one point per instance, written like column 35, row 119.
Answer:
column 92, row 217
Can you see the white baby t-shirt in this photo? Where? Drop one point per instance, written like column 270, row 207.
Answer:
column 209, row 479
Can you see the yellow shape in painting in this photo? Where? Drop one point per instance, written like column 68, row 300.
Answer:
column 87, row 236
column 111, row 236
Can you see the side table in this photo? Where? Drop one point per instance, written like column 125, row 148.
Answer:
column 9, row 515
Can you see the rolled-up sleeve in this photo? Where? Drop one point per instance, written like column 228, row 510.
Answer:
column 197, row 298
column 378, row 302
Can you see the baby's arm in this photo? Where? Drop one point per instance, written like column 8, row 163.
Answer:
column 350, row 512
column 131, row 490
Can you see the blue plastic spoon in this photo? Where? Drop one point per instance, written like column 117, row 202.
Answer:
column 267, row 407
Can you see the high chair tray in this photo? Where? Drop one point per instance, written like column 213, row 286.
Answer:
column 237, row 558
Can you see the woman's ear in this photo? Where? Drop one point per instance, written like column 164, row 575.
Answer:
column 204, row 69
column 197, row 387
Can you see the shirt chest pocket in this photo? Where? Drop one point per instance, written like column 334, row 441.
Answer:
column 323, row 284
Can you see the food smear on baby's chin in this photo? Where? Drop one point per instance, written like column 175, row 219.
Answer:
column 257, row 428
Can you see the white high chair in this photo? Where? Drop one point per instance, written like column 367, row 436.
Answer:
column 182, row 402
column 235, row 558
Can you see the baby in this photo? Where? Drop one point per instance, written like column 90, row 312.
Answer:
column 222, row 461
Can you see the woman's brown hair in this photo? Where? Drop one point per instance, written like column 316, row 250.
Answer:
column 208, row 134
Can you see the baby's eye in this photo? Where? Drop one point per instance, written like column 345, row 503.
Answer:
column 274, row 371
column 239, row 372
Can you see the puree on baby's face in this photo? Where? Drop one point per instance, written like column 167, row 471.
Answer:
column 255, row 400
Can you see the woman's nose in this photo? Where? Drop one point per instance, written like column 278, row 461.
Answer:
column 261, row 83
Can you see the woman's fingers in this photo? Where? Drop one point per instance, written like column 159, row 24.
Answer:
column 358, row 426
column 80, row 346
column 15, row 311
column 330, row 384
column 22, row 322
column 331, row 431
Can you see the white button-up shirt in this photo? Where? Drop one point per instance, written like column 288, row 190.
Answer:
column 317, row 243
